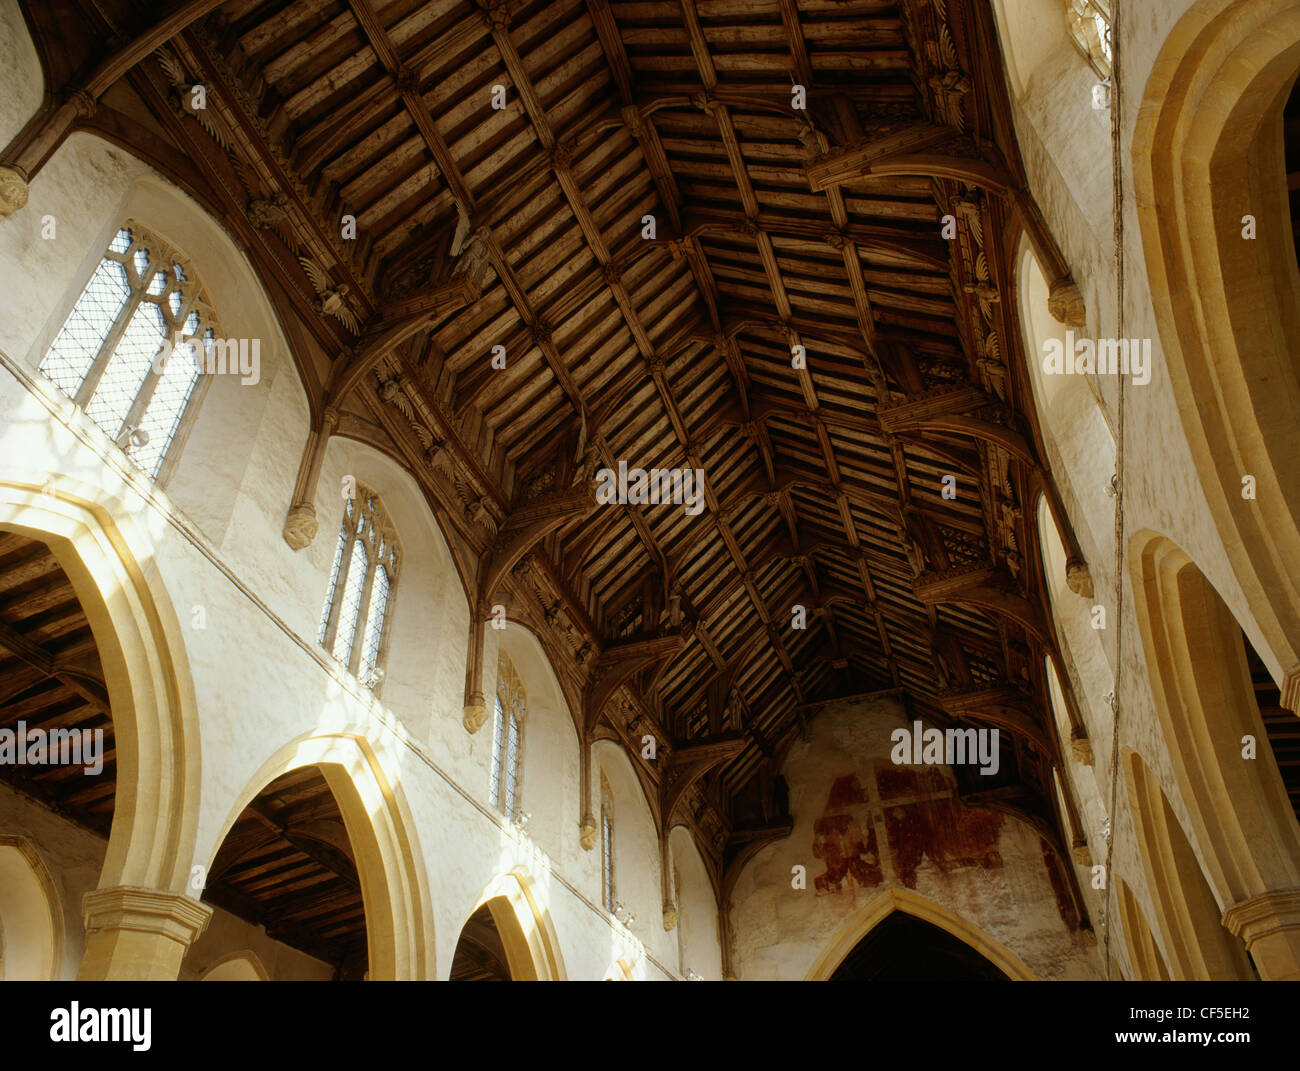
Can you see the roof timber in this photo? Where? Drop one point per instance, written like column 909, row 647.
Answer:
column 780, row 232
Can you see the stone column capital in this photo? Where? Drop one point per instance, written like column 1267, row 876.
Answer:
column 1265, row 914
column 1269, row 925
column 1291, row 690
column 129, row 907
column 587, row 832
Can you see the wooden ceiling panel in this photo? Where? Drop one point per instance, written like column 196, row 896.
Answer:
column 824, row 482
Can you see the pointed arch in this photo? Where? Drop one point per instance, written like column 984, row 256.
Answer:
column 391, row 871
column 1145, row 957
column 1208, row 150
column 243, row 966
column 150, row 690
column 1204, row 697
column 526, row 928
column 1187, row 912
column 31, row 914
column 876, row 910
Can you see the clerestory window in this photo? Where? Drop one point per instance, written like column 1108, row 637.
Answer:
column 113, row 357
column 1090, row 23
column 358, row 602
column 508, row 739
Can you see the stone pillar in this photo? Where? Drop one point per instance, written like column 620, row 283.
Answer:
column 135, row 934
column 1270, row 926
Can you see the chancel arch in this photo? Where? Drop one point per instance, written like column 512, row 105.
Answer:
column 1213, row 205
column 988, row 958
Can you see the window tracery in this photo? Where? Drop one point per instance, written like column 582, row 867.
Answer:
column 111, row 356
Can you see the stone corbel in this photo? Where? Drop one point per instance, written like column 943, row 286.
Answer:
column 1065, row 303
column 301, row 525
column 475, row 712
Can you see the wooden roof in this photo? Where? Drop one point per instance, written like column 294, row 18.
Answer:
column 51, row 679
column 775, row 227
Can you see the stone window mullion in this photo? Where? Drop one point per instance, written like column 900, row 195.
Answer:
column 341, row 584
column 106, row 349
column 363, row 612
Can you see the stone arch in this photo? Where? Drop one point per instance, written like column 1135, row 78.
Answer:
column 552, row 755
column 1082, row 651
column 229, row 419
column 877, row 909
column 243, row 966
column 1078, row 440
column 1207, row 139
column 394, row 887
column 151, row 692
column 428, row 622
column 1145, row 958
column 527, row 931
column 1239, row 810
column 31, row 914
column 1187, row 911
column 697, row 907
column 637, row 874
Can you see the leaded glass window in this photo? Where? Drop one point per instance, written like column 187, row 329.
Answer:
column 358, row 601
column 606, row 844
column 1090, row 24
column 507, row 739
column 109, row 359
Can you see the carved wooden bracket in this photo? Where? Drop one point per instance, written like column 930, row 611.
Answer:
column 616, row 665
column 987, row 589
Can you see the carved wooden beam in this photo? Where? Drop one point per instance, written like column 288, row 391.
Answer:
column 692, row 761
column 988, row 590
column 84, row 683
column 401, row 321
column 615, row 667
column 524, row 528
column 1000, row 706
column 27, row 153
column 961, row 424
column 845, row 165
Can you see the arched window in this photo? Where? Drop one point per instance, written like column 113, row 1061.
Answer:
column 1090, row 22
column 109, row 356
column 507, row 739
column 606, row 843
column 358, row 603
